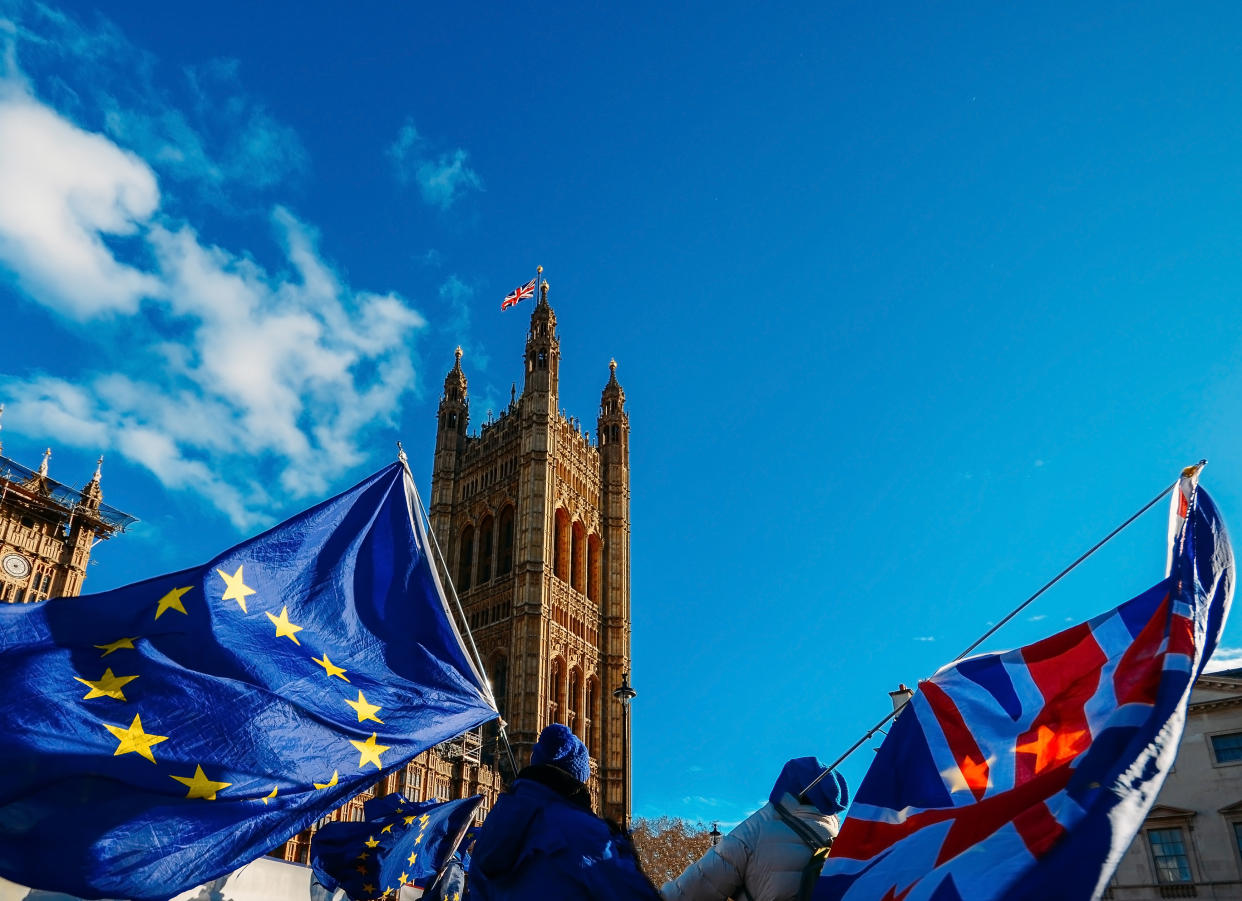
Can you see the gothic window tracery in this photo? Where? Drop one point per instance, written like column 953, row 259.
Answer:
column 505, row 563
column 465, row 559
column 486, row 543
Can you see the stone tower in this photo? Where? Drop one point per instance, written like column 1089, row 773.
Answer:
column 533, row 514
column 47, row 530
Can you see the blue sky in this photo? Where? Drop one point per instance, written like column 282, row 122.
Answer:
column 911, row 303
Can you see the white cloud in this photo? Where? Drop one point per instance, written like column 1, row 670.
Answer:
column 195, row 125
column 925, row 638
column 233, row 378
column 1037, row 617
column 62, row 190
column 1223, row 659
column 441, row 177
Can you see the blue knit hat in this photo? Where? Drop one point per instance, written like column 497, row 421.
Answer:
column 830, row 795
column 559, row 747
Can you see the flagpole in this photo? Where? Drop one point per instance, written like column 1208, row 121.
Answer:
column 992, row 631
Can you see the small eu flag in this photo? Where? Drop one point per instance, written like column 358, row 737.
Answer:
column 408, row 844
column 165, row 733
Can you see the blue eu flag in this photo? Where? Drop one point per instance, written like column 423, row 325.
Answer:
column 407, row 845
column 165, row 733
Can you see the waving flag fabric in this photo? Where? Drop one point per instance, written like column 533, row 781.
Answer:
column 165, row 733
column 1026, row 774
column 519, row 294
column 407, row 845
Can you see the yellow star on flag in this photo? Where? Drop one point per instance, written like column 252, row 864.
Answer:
column 410, row 819
column 117, row 645
column 200, row 786
column 237, row 589
column 267, row 798
column 412, row 858
column 370, row 751
column 171, row 601
column 364, row 710
column 368, row 887
column 134, row 739
column 418, row 838
column 364, row 855
column 423, row 819
column 371, row 841
column 387, row 828
column 106, row 686
column 403, row 877
column 284, row 628
column 331, row 668
column 331, row 782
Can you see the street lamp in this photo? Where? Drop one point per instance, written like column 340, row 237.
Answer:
column 625, row 693
column 714, row 835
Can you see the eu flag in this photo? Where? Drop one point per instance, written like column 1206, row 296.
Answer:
column 406, row 845
column 1026, row 774
column 163, row 734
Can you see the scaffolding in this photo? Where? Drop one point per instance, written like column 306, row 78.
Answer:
column 20, row 481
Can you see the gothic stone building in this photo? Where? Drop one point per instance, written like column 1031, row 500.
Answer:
column 47, row 531
column 533, row 517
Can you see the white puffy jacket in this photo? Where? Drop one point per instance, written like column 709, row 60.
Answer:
column 762, row 858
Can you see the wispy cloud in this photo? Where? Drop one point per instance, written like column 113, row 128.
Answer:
column 441, row 176
column 1037, row 617
column 1223, row 659
column 925, row 638
column 196, row 126
column 217, row 375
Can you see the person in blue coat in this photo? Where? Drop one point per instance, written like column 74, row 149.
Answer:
column 542, row 840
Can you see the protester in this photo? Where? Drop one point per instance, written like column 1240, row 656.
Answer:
column 541, row 840
column 769, row 855
column 450, row 882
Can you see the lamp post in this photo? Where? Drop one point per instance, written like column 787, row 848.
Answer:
column 714, row 835
column 625, row 693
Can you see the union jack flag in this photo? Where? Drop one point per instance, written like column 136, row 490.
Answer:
column 518, row 294
column 1026, row 774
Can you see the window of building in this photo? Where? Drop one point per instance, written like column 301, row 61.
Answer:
column 1227, row 748
column 505, row 564
column 1168, row 853
column 485, row 550
column 465, row 559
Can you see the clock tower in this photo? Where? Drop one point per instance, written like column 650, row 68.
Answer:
column 47, row 530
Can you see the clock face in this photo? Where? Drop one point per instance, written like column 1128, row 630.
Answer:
column 15, row 565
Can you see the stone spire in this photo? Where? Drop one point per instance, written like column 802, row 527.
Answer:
column 92, row 494
column 543, row 349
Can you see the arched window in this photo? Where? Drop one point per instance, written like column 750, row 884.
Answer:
column 505, row 564
column 465, row 559
column 500, row 682
column 560, row 551
column 556, row 690
column 574, row 719
column 579, row 558
column 590, row 726
column 595, row 566
column 485, row 550
column 616, row 434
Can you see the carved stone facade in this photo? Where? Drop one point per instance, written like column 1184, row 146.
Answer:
column 533, row 517
column 47, row 531
column 533, row 514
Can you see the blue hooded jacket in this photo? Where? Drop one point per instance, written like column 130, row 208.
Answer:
column 542, row 841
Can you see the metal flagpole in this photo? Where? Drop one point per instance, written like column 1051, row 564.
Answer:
column 992, row 631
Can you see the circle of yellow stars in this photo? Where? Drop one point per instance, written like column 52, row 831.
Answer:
column 134, row 739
